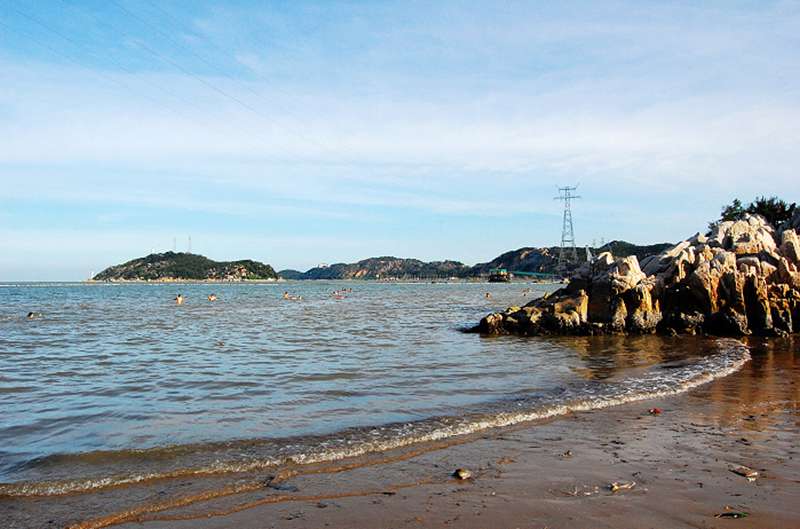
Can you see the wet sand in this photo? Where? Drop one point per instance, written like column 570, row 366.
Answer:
column 524, row 476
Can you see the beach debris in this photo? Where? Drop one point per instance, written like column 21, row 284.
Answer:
column 275, row 483
column 567, row 454
column 732, row 514
column 621, row 485
column 505, row 461
column 655, row 411
column 462, row 474
column 746, row 472
column 575, row 492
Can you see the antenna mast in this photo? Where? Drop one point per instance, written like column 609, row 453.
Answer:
column 568, row 252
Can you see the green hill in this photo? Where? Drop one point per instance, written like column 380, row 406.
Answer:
column 388, row 268
column 186, row 266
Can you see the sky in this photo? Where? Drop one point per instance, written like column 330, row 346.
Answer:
column 298, row 133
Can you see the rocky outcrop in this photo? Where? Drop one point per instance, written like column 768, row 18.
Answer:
column 741, row 278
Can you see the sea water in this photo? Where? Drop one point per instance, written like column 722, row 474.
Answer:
column 115, row 383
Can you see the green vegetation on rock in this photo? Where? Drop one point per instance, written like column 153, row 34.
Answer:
column 775, row 210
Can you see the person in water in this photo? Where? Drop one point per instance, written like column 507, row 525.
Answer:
column 289, row 297
column 34, row 315
column 488, row 295
column 179, row 299
column 212, row 297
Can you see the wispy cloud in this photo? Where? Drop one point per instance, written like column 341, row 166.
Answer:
column 377, row 113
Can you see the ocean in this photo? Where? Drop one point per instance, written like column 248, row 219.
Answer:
column 114, row 384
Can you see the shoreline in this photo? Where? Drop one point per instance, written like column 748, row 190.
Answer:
column 546, row 473
column 680, row 461
column 356, row 442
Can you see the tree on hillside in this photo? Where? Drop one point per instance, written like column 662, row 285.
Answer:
column 773, row 209
column 733, row 211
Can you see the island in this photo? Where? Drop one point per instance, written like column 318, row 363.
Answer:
column 181, row 266
column 526, row 260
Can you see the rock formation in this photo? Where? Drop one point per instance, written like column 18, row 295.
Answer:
column 740, row 278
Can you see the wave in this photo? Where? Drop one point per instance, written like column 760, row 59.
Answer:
column 127, row 467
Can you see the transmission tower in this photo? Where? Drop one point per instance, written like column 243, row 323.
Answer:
column 568, row 252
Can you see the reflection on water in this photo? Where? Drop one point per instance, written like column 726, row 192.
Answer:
column 603, row 357
column 766, row 389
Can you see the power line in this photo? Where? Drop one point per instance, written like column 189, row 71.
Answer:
column 94, row 72
column 167, row 37
column 163, row 58
column 140, row 43
column 66, row 56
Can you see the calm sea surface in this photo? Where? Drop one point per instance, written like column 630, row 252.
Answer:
column 116, row 382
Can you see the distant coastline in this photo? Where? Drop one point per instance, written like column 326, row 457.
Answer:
column 171, row 267
column 175, row 280
column 528, row 260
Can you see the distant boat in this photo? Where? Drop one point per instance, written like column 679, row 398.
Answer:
column 499, row 275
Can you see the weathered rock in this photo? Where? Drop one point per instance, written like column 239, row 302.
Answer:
column 643, row 313
column 759, row 313
column 787, row 273
column 790, row 246
column 726, row 322
column 734, row 281
column 491, row 324
column 677, row 322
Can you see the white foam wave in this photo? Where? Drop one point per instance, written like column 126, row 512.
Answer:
column 731, row 356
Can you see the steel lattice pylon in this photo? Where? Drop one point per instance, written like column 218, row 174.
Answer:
column 568, row 251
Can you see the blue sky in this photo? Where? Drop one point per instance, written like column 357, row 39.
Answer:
column 305, row 132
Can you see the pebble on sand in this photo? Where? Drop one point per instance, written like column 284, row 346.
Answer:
column 462, row 473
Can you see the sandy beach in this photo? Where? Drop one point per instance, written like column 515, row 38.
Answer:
column 550, row 474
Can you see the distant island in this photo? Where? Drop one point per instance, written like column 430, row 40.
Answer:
column 383, row 268
column 528, row 259
column 172, row 266
column 180, row 266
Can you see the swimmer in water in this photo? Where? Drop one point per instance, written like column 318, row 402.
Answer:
column 488, row 296
column 34, row 315
column 179, row 299
column 212, row 297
